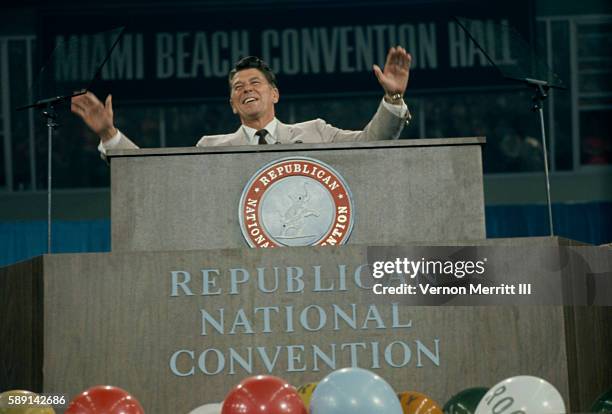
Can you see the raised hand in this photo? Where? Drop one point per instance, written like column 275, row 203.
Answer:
column 394, row 77
column 97, row 116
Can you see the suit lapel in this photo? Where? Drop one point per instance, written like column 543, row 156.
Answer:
column 239, row 137
column 285, row 133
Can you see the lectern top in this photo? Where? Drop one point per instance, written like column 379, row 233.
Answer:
column 426, row 142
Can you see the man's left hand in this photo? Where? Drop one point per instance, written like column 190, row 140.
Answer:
column 394, row 77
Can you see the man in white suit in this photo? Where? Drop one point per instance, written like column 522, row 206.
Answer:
column 253, row 94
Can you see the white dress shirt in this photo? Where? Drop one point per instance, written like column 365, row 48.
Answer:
column 270, row 137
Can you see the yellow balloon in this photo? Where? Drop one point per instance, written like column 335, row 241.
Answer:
column 413, row 402
column 8, row 406
column 305, row 392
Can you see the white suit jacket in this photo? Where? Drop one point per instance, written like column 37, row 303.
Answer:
column 383, row 125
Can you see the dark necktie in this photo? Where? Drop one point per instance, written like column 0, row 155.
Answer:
column 262, row 136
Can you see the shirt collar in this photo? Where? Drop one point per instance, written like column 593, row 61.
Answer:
column 271, row 137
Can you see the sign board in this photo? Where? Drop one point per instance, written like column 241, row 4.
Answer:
column 185, row 53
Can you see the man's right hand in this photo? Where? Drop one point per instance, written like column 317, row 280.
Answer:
column 97, row 116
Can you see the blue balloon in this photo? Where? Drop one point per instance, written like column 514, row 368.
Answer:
column 354, row 391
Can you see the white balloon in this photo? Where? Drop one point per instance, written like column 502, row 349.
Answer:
column 523, row 394
column 214, row 408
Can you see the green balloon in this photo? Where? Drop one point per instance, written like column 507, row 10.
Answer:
column 603, row 404
column 465, row 402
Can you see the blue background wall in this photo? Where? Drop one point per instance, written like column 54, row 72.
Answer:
column 587, row 222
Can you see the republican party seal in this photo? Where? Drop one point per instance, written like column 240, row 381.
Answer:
column 296, row 201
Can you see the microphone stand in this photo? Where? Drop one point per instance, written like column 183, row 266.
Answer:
column 51, row 117
column 49, row 113
column 541, row 93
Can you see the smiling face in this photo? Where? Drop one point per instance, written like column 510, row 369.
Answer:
column 253, row 97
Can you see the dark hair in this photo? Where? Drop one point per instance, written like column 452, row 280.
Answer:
column 252, row 62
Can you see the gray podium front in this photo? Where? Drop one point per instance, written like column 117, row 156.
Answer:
column 180, row 329
column 404, row 191
column 181, row 310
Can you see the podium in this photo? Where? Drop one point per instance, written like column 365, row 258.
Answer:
column 404, row 191
column 182, row 309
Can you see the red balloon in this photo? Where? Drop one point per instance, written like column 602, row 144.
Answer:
column 263, row 394
column 104, row 399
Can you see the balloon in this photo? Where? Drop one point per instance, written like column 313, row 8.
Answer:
column 104, row 399
column 465, row 402
column 214, row 408
column 413, row 402
column 6, row 406
column 305, row 392
column 263, row 394
column 523, row 393
column 354, row 391
column 603, row 404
